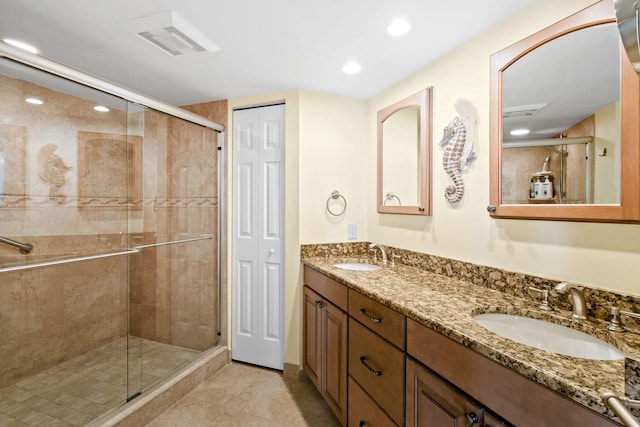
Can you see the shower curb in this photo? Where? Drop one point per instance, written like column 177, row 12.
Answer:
column 158, row 399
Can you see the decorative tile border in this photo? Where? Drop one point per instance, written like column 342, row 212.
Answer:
column 22, row 202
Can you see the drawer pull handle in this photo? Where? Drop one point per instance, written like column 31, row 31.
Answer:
column 319, row 304
column 472, row 418
column 373, row 319
column 363, row 360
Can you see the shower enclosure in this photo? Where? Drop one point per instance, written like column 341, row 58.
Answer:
column 109, row 272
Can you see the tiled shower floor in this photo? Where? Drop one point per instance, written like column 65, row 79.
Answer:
column 85, row 387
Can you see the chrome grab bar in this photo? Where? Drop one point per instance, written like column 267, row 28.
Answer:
column 25, row 248
column 620, row 405
column 173, row 242
column 133, row 250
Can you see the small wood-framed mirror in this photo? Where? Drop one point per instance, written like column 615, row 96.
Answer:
column 404, row 156
column 545, row 84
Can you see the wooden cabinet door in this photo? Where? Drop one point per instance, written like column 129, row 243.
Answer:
column 312, row 339
column 325, row 350
column 431, row 402
column 334, row 322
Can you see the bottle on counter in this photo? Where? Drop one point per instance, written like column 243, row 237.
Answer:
column 532, row 190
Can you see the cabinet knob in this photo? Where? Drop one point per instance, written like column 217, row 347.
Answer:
column 471, row 418
column 319, row 304
column 491, row 208
column 361, row 424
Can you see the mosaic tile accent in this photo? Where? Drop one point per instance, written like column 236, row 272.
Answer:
column 444, row 294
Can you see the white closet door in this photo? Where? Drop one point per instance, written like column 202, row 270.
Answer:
column 258, row 236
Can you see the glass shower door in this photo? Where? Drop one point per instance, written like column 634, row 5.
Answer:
column 65, row 190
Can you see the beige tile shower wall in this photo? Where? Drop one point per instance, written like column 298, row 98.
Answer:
column 51, row 314
column 41, row 196
column 175, row 297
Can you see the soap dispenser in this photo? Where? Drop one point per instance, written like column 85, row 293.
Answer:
column 537, row 189
column 547, row 188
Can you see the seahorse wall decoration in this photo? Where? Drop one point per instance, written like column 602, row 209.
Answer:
column 51, row 169
column 457, row 140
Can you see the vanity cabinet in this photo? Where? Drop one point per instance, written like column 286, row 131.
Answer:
column 325, row 339
column 432, row 402
column 376, row 355
column 516, row 398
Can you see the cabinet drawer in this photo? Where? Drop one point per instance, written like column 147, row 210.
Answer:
column 378, row 367
column 363, row 411
column 491, row 420
column 327, row 287
column 377, row 317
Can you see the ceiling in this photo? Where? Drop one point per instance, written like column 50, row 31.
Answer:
column 266, row 45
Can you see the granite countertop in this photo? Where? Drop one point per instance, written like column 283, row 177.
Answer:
column 448, row 305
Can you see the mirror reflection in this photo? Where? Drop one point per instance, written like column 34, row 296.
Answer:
column 404, row 149
column 561, row 121
column 401, row 154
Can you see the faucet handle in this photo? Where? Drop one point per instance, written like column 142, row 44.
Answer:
column 393, row 258
column 616, row 313
column 615, row 324
column 375, row 254
column 545, row 298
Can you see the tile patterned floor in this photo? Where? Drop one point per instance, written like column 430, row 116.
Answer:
column 85, row 387
column 245, row 395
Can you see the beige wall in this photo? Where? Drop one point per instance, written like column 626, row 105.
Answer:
column 596, row 255
column 331, row 144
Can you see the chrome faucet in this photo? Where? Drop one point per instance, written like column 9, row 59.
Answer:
column 576, row 297
column 383, row 252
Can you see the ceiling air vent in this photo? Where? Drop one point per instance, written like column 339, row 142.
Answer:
column 169, row 32
column 521, row 111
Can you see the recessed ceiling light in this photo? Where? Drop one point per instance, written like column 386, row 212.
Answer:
column 101, row 108
column 398, row 27
column 34, row 101
column 517, row 132
column 22, row 45
column 352, row 67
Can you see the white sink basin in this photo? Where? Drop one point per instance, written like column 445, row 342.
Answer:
column 357, row 266
column 548, row 336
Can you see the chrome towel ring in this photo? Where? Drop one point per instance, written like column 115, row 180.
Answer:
column 335, row 195
column 391, row 196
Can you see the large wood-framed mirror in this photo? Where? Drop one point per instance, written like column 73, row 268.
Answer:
column 404, row 156
column 572, row 87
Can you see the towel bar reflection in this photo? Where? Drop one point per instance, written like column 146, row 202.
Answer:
column 335, row 195
column 25, row 248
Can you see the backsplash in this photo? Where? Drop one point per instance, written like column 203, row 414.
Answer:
column 599, row 302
